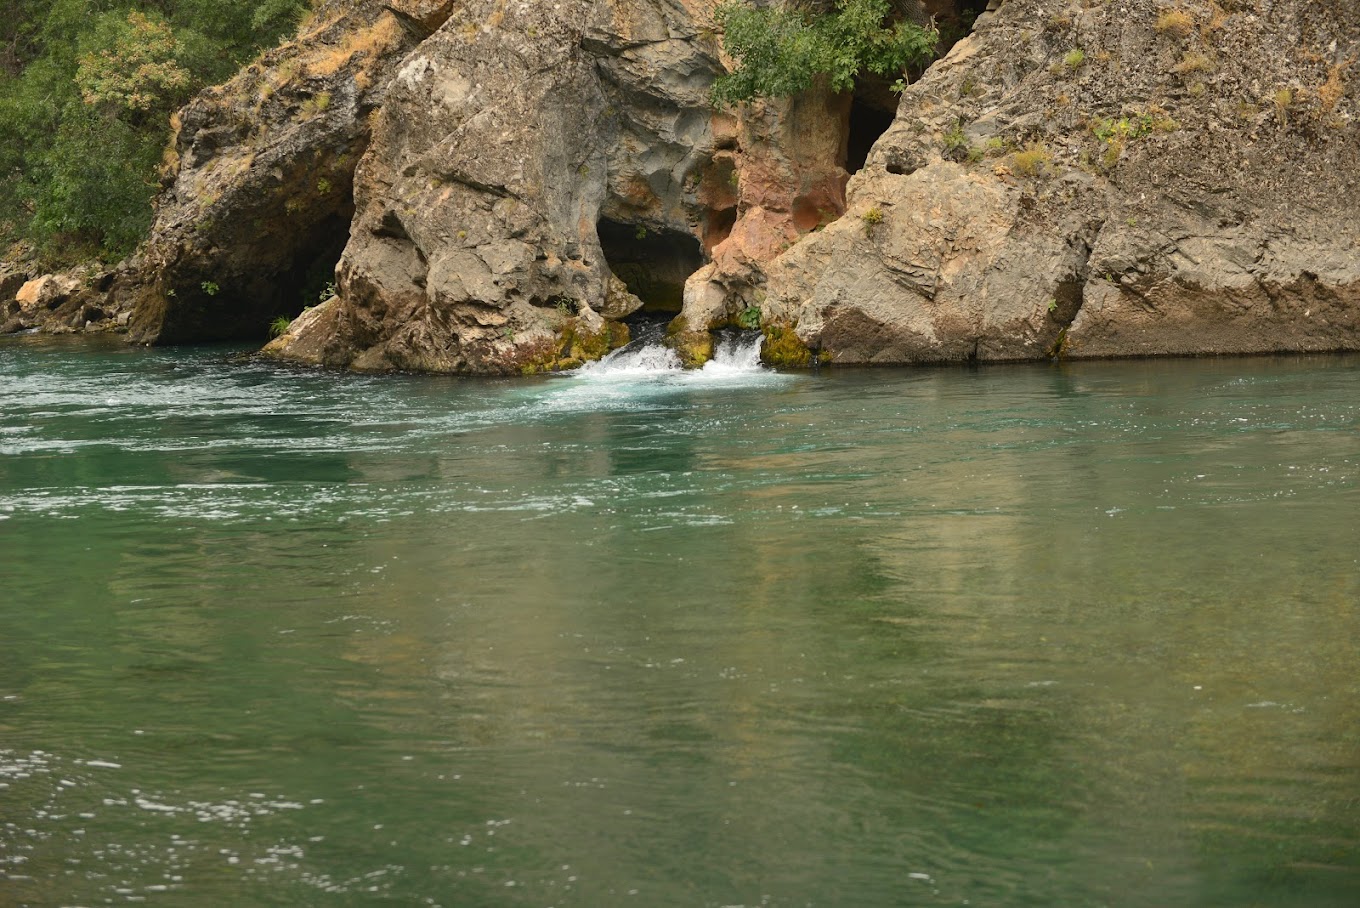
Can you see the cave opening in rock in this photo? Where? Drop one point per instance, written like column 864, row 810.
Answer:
column 955, row 22
column 310, row 278
column 653, row 262
column 873, row 107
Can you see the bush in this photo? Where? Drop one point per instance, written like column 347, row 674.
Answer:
column 956, row 145
column 1034, row 161
column 1176, row 22
column 135, row 70
column 86, row 90
column 871, row 218
column 780, row 52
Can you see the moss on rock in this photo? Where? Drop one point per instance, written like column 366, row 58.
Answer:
column 576, row 345
column 784, row 349
column 693, row 347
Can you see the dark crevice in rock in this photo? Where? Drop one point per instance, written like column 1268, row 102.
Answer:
column 210, row 305
column 488, row 188
column 872, row 110
column 866, row 124
column 312, row 277
column 718, row 195
column 654, row 263
column 955, row 20
column 718, row 224
column 1068, row 298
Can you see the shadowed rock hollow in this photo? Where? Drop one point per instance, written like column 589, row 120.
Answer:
column 257, row 198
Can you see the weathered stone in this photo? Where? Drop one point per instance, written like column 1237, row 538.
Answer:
column 505, row 139
column 509, row 140
column 46, row 292
column 1156, row 194
column 257, row 189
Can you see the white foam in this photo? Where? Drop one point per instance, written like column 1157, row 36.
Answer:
column 630, row 362
column 732, row 357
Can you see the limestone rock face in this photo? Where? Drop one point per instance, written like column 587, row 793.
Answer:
column 1097, row 180
column 530, row 155
column 509, row 179
column 474, row 241
column 257, row 198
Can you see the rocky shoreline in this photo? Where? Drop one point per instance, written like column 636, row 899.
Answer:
column 503, row 183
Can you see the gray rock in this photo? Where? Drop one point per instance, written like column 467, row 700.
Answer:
column 257, row 194
column 1073, row 179
column 1166, row 191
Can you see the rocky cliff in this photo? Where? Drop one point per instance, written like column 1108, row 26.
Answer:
column 540, row 171
column 502, row 182
column 1125, row 178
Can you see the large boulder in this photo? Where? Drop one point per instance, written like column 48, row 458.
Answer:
column 535, row 165
column 506, row 140
column 257, row 185
column 1097, row 180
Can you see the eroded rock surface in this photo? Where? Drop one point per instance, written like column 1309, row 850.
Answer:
column 257, row 195
column 509, row 179
column 504, row 138
column 1094, row 180
column 526, row 157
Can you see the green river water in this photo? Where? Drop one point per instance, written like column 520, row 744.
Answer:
column 1067, row 635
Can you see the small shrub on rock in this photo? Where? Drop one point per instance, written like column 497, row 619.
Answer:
column 1034, row 161
column 1175, row 22
column 781, row 52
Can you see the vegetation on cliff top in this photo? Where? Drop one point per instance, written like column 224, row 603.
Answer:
column 781, row 52
column 86, row 92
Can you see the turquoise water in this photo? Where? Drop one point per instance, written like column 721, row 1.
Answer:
column 1031, row 635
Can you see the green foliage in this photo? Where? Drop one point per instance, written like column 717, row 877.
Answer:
column 135, row 69
column 749, row 318
column 86, row 92
column 279, row 325
column 94, row 186
column 780, row 52
column 956, row 145
column 871, row 218
column 1117, row 134
column 210, row 288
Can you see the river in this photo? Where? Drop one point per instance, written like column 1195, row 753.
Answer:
column 1078, row 635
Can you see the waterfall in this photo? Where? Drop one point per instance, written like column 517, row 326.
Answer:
column 734, row 354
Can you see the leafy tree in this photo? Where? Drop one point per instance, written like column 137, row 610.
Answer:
column 782, row 51
column 86, row 89
column 135, row 70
